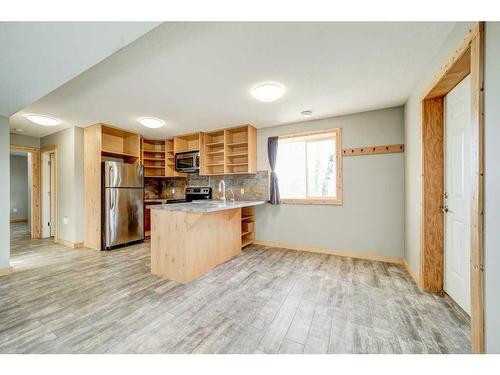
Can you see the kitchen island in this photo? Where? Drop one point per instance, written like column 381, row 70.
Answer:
column 190, row 239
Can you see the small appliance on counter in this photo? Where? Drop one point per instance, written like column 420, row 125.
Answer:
column 122, row 204
column 187, row 161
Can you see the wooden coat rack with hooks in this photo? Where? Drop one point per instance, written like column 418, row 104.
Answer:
column 369, row 150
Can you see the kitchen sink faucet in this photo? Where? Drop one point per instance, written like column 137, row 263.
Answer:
column 222, row 190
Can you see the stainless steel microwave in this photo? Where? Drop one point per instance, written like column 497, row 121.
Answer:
column 187, row 161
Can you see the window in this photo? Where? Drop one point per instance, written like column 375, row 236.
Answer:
column 309, row 168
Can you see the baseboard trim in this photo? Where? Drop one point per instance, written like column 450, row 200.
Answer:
column 69, row 244
column 6, row 271
column 320, row 250
column 410, row 271
column 20, row 220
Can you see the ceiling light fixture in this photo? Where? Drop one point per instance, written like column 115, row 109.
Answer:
column 151, row 122
column 19, row 130
column 306, row 113
column 268, row 91
column 43, row 120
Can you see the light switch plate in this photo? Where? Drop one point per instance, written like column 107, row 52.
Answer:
column 242, row 191
column 65, row 220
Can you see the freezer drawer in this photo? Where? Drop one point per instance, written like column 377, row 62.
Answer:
column 123, row 216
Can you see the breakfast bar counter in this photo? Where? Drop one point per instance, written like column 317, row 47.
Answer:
column 190, row 239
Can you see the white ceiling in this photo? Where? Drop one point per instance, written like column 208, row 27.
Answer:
column 38, row 57
column 197, row 76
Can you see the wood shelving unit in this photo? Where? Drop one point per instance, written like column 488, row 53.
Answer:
column 247, row 226
column 153, row 157
column 229, row 151
column 212, row 153
column 158, row 159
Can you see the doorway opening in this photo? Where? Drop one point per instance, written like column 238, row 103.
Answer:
column 466, row 60
column 24, row 198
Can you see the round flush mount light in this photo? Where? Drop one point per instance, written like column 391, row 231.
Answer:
column 151, row 122
column 268, row 91
column 306, row 113
column 18, row 130
column 42, row 120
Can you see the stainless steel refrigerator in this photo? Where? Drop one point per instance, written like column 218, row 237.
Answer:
column 122, row 204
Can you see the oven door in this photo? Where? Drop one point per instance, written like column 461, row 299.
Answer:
column 186, row 162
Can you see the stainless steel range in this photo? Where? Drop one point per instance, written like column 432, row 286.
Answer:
column 198, row 193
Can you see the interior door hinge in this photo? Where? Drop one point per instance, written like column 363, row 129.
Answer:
column 479, row 267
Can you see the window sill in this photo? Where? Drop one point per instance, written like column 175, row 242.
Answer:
column 312, row 201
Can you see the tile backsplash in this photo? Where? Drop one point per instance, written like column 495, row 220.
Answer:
column 255, row 186
column 164, row 187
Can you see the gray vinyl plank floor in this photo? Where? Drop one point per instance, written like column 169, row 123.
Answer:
column 267, row 300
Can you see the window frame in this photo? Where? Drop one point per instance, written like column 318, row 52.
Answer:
column 338, row 200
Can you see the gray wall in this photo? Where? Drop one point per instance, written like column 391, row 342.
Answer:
column 492, row 186
column 24, row 140
column 4, row 193
column 19, row 192
column 69, row 144
column 413, row 143
column 371, row 219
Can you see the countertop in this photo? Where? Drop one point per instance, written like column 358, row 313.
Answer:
column 162, row 200
column 205, row 206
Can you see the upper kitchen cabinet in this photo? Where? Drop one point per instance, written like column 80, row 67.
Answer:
column 154, row 157
column 212, row 153
column 158, row 159
column 120, row 143
column 229, row 151
column 187, row 143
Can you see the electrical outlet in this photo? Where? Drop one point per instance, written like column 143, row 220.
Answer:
column 14, row 209
column 65, row 220
column 242, row 191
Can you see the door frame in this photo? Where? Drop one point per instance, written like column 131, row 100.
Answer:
column 50, row 149
column 467, row 59
column 35, row 160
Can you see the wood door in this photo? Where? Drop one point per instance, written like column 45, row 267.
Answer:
column 457, row 200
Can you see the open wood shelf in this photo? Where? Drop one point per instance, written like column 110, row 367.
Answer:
column 229, row 151
column 236, row 164
column 118, row 154
column 237, row 144
column 246, row 242
column 158, row 159
column 247, row 226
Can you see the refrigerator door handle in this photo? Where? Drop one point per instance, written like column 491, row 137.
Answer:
column 112, row 200
column 111, row 175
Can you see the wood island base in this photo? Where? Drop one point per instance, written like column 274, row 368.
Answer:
column 187, row 245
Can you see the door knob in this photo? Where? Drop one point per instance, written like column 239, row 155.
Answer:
column 444, row 209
